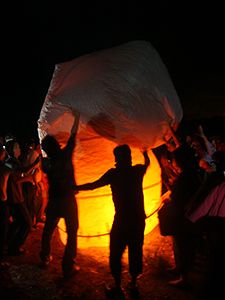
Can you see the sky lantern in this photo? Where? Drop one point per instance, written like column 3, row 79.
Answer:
column 124, row 94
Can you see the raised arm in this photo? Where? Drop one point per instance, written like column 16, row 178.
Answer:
column 201, row 133
column 174, row 136
column 210, row 148
column 76, row 122
column 147, row 160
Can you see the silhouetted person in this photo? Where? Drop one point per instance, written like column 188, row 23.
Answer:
column 22, row 223
column 32, row 187
column 62, row 202
column 206, row 212
column 184, row 188
column 129, row 220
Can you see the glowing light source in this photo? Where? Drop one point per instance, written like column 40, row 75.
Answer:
column 96, row 209
column 124, row 95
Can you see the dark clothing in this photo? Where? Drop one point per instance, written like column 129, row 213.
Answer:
column 4, row 176
column 15, row 189
column 214, row 227
column 213, row 180
column 22, row 222
column 19, row 228
column 4, row 217
column 129, row 220
column 62, row 203
column 132, row 237
column 71, row 221
column 184, row 251
column 61, row 173
column 33, row 201
column 126, row 185
column 4, row 210
column 186, row 185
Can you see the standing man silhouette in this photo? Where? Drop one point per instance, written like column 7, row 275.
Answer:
column 62, row 202
column 129, row 220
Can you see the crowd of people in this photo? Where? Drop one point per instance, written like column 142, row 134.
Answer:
column 194, row 209
column 21, row 204
column 35, row 189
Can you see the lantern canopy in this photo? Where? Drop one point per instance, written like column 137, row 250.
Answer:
column 124, row 94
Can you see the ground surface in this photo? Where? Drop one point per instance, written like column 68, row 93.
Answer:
column 26, row 280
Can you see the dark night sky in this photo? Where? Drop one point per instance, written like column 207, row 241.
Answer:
column 188, row 35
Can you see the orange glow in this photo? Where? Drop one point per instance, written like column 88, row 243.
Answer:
column 93, row 156
column 95, row 208
column 124, row 95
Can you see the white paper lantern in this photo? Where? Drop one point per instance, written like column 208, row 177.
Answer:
column 124, row 95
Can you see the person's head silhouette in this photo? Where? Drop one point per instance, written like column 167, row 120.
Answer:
column 122, row 156
column 50, row 146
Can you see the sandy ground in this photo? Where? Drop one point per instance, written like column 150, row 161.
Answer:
column 26, row 280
